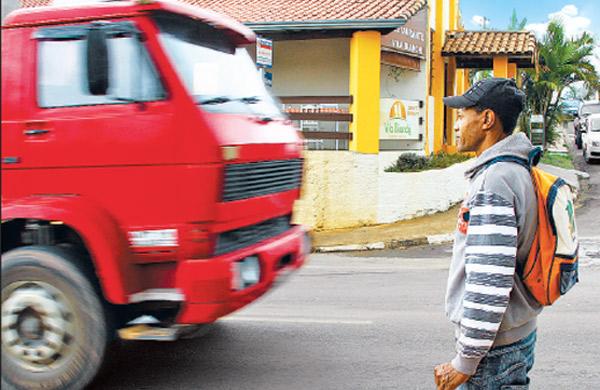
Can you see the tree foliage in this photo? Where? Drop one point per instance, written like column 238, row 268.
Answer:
column 563, row 61
column 516, row 24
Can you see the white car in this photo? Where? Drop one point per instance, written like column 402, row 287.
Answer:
column 591, row 138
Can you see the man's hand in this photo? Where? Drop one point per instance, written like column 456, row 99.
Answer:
column 447, row 378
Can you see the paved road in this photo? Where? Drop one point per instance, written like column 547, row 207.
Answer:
column 588, row 215
column 366, row 321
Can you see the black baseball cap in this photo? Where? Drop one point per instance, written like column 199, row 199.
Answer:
column 497, row 94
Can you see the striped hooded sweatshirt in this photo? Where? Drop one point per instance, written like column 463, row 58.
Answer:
column 485, row 298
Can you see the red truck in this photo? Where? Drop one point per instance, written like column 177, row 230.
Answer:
column 146, row 171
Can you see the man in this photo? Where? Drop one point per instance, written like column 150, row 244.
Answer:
column 493, row 313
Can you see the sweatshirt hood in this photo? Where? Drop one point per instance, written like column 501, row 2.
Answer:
column 516, row 145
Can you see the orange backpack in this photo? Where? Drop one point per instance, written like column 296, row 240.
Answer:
column 551, row 268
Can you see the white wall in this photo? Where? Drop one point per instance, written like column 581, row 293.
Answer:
column 344, row 189
column 340, row 189
column 411, row 84
column 414, row 194
column 311, row 67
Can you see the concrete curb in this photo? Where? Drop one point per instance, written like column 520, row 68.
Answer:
column 392, row 244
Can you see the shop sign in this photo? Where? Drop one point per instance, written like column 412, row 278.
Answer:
column 408, row 39
column 264, row 52
column 399, row 119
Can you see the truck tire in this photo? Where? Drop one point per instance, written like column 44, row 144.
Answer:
column 54, row 328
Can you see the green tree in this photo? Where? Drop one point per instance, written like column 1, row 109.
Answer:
column 563, row 61
column 516, row 24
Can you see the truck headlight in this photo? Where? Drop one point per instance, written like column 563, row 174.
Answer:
column 596, row 143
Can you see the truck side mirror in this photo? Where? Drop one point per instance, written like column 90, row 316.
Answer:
column 97, row 61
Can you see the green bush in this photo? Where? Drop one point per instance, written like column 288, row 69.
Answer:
column 410, row 162
column 561, row 160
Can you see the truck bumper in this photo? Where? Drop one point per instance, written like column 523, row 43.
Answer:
column 208, row 285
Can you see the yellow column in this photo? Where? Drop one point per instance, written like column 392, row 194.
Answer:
column 512, row 71
column 365, row 71
column 453, row 15
column 466, row 82
column 501, row 66
column 451, row 90
column 438, row 80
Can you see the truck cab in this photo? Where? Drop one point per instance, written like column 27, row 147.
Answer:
column 146, row 170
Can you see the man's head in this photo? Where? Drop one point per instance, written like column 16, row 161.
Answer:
column 487, row 113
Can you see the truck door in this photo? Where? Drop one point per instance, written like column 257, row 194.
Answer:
column 110, row 146
column 70, row 127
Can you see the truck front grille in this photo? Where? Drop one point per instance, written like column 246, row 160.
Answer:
column 249, row 180
column 249, row 235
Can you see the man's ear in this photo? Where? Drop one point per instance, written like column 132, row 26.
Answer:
column 489, row 118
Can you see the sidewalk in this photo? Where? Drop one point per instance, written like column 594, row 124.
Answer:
column 430, row 229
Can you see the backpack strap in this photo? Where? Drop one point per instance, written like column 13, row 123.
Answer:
column 532, row 159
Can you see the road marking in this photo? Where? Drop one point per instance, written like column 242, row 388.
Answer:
column 296, row 320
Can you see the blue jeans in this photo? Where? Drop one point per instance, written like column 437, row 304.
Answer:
column 505, row 367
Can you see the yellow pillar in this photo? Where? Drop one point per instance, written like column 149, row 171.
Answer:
column 460, row 84
column 453, row 14
column 466, row 82
column 512, row 71
column 438, row 80
column 451, row 90
column 365, row 71
column 501, row 66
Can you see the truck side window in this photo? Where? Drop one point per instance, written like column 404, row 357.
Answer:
column 62, row 81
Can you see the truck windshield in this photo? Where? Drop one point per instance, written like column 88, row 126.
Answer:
column 220, row 76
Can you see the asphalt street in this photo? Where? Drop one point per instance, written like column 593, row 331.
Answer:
column 370, row 320
column 364, row 321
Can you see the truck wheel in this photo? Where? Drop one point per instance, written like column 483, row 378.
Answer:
column 54, row 329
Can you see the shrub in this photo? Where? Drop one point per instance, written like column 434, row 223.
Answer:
column 410, row 162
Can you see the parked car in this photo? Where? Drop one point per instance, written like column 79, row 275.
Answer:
column 591, row 138
column 587, row 108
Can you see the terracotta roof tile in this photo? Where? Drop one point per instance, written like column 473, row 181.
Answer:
column 34, row 3
column 255, row 11
column 489, row 42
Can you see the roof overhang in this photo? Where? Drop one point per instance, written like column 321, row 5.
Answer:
column 322, row 28
column 477, row 49
column 487, row 61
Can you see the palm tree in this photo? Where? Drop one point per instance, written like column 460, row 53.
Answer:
column 516, row 24
column 563, row 61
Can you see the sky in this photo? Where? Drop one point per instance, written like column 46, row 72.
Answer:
column 577, row 16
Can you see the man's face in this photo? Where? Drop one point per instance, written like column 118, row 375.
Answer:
column 470, row 134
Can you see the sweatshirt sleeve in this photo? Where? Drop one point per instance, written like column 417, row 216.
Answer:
column 490, row 257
